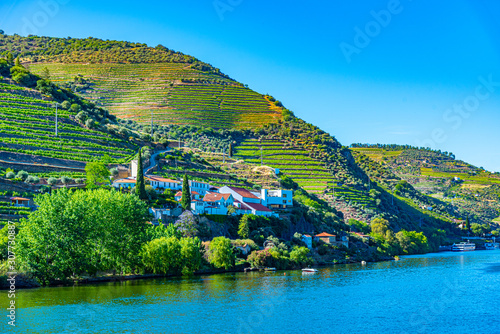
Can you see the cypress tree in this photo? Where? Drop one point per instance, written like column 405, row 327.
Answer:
column 467, row 224
column 141, row 187
column 186, row 194
column 18, row 62
column 10, row 58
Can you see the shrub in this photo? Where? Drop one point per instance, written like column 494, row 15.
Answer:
column 52, row 181
column 10, row 175
column 23, row 175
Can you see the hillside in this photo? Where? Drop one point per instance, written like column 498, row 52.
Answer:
column 137, row 82
column 214, row 116
column 467, row 189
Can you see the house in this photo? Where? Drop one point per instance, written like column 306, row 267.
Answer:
column 252, row 208
column 201, row 187
column 161, row 213
column 307, row 239
column 240, row 194
column 194, row 196
column 161, row 183
column 198, row 206
column 133, row 168
column 276, row 199
column 20, row 201
column 128, row 183
column 245, row 249
column 326, row 237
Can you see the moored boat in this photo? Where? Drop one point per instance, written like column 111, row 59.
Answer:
column 309, row 270
column 463, row 247
column 269, row 269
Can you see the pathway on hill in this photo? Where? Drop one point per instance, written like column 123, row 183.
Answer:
column 152, row 161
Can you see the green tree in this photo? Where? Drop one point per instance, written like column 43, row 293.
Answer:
column 412, row 242
column 22, row 174
column 79, row 232
column 140, row 185
column 96, row 172
column 46, row 73
column 244, row 228
column 162, row 255
column 186, row 194
column 18, row 62
column 191, row 255
column 467, row 224
column 299, row 255
column 221, row 253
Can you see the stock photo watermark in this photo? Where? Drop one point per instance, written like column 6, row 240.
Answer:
column 223, row 6
column 421, row 320
column 363, row 36
column 11, row 274
column 46, row 10
column 264, row 310
column 454, row 117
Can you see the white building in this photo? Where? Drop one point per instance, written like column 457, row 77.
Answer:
column 161, row 183
column 128, row 183
column 201, row 187
column 277, row 199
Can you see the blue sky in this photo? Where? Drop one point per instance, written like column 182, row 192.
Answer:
column 408, row 72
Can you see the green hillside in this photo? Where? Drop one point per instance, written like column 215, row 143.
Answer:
column 119, row 86
column 134, row 81
column 469, row 190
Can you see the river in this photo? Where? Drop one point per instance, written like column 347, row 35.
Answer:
column 432, row 293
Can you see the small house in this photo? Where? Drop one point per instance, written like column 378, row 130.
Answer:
column 326, row 237
column 307, row 239
column 20, row 201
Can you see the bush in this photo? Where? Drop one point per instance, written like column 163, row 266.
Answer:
column 52, row 181
column 23, row 175
column 10, row 175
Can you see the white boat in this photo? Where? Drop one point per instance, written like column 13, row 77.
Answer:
column 492, row 245
column 463, row 247
column 269, row 269
column 309, row 270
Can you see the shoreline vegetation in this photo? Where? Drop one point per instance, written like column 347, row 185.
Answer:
column 30, row 283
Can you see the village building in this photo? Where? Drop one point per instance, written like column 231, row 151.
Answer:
column 276, row 199
column 20, row 201
column 307, row 239
column 128, row 183
column 161, row 183
column 201, row 187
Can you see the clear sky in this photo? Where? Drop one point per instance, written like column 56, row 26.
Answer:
column 421, row 72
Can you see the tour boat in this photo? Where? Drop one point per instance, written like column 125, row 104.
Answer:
column 492, row 245
column 270, row 269
column 463, row 247
column 309, row 270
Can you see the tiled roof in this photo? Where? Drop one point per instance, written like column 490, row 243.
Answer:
column 243, row 192
column 324, row 235
column 126, row 181
column 213, row 197
column 161, row 179
column 19, row 199
column 258, row 207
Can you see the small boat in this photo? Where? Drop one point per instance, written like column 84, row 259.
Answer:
column 269, row 269
column 492, row 245
column 463, row 247
column 309, row 270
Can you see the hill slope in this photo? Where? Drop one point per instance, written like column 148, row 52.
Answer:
column 141, row 83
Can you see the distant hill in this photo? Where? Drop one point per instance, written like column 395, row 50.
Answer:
column 470, row 190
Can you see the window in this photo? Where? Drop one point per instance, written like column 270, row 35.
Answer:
column 284, row 195
column 284, row 201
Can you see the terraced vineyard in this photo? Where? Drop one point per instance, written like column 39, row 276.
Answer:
column 309, row 173
column 175, row 93
column 27, row 126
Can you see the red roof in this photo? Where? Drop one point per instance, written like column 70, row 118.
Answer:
column 257, row 207
column 161, row 179
column 324, row 235
column 307, row 235
column 243, row 192
column 214, row 197
column 194, row 193
column 19, row 199
column 179, row 193
column 126, row 181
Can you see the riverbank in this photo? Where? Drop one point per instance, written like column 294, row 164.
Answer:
column 23, row 281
